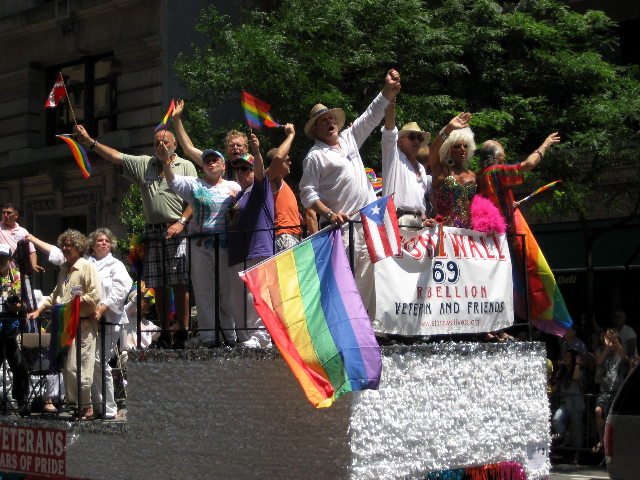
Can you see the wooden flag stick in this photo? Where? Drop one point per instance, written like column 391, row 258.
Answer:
column 68, row 100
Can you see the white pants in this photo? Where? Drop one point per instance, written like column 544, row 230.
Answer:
column 363, row 268
column 238, row 303
column 203, row 268
column 112, row 332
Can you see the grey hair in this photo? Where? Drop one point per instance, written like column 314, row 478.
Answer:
column 464, row 135
column 76, row 238
column 93, row 236
column 489, row 153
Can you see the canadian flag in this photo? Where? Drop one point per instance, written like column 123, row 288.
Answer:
column 57, row 92
column 381, row 231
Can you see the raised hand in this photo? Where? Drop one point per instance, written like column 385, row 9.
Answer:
column 460, row 121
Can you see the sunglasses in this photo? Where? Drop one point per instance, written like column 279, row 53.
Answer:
column 242, row 169
column 460, row 146
column 413, row 137
column 7, row 212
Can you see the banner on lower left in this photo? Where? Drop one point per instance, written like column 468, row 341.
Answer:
column 33, row 450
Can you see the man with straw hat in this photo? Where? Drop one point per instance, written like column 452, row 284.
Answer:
column 402, row 174
column 334, row 182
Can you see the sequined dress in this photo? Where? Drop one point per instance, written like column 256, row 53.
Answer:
column 453, row 201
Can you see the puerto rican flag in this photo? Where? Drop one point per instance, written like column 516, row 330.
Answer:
column 381, row 229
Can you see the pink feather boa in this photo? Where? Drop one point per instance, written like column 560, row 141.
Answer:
column 485, row 217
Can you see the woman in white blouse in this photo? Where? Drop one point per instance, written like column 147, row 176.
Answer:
column 116, row 284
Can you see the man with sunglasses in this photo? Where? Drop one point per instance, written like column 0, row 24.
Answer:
column 334, row 182
column 166, row 264
column 402, row 175
column 11, row 233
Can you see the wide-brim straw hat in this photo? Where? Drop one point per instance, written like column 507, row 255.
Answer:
column 412, row 127
column 318, row 110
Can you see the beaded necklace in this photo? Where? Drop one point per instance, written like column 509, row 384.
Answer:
column 11, row 282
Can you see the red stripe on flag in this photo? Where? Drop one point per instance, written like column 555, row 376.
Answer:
column 370, row 246
column 388, row 251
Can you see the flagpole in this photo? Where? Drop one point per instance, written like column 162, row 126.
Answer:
column 68, row 100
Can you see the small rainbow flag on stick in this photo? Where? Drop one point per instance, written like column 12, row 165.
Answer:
column 309, row 302
column 165, row 124
column 257, row 112
column 64, row 326
column 541, row 189
column 78, row 153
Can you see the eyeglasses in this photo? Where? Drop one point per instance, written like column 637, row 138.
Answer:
column 413, row 137
column 458, row 146
column 242, row 169
column 7, row 212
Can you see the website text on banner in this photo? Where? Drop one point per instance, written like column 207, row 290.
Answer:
column 468, row 289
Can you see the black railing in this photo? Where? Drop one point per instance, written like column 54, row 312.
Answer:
column 219, row 331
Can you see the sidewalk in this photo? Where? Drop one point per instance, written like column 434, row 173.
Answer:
column 578, row 472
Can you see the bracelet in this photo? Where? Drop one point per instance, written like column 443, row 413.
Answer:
column 170, row 160
column 539, row 153
column 443, row 135
column 95, row 142
column 329, row 215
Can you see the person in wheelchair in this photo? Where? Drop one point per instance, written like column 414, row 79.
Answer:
column 11, row 316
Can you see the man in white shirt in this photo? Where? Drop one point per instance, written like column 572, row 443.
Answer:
column 402, row 175
column 334, row 182
column 11, row 233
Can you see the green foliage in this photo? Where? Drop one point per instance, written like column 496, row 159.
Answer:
column 524, row 69
column 131, row 217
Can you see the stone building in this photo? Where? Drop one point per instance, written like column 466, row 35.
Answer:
column 116, row 57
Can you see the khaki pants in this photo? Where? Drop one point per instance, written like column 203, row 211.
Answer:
column 88, row 338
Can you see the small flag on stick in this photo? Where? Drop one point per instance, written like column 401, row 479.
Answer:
column 57, row 92
column 381, row 231
column 79, row 154
column 165, row 124
column 541, row 189
column 257, row 112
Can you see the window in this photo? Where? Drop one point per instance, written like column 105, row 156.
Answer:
column 91, row 88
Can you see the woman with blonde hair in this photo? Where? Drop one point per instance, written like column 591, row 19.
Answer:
column 454, row 185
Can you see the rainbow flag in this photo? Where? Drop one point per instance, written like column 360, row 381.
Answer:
column 78, row 153
column 376, row 182
column 165, row 124
column 309, row 302
column 547, row 309
column 64, row 327
column 257, row 112
column 541, row 189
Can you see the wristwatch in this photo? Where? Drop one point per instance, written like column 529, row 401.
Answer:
column 183, row 220
column 93, row 145
column 329, row 215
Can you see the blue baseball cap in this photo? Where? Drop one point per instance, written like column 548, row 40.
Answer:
column 210, row 151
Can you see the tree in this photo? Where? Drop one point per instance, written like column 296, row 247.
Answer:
column 524, row 69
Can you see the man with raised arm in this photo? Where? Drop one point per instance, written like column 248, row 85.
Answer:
column 402, row 174
column 249, row 222
column 165, row 225
column 496, row 178
column 285, row 203
column 334, row 182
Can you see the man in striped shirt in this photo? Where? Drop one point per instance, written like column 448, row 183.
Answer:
column 496, row 178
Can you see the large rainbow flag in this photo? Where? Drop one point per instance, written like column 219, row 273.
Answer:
column 64, row 327
column 257, row 112
column 78, row 153
column 309, row 302
column 547, row 309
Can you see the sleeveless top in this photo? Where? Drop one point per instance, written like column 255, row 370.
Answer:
column 453, row 202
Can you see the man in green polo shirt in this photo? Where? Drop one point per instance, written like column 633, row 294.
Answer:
column 165, row 226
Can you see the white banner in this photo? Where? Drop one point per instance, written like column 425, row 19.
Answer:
column 469, row 289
